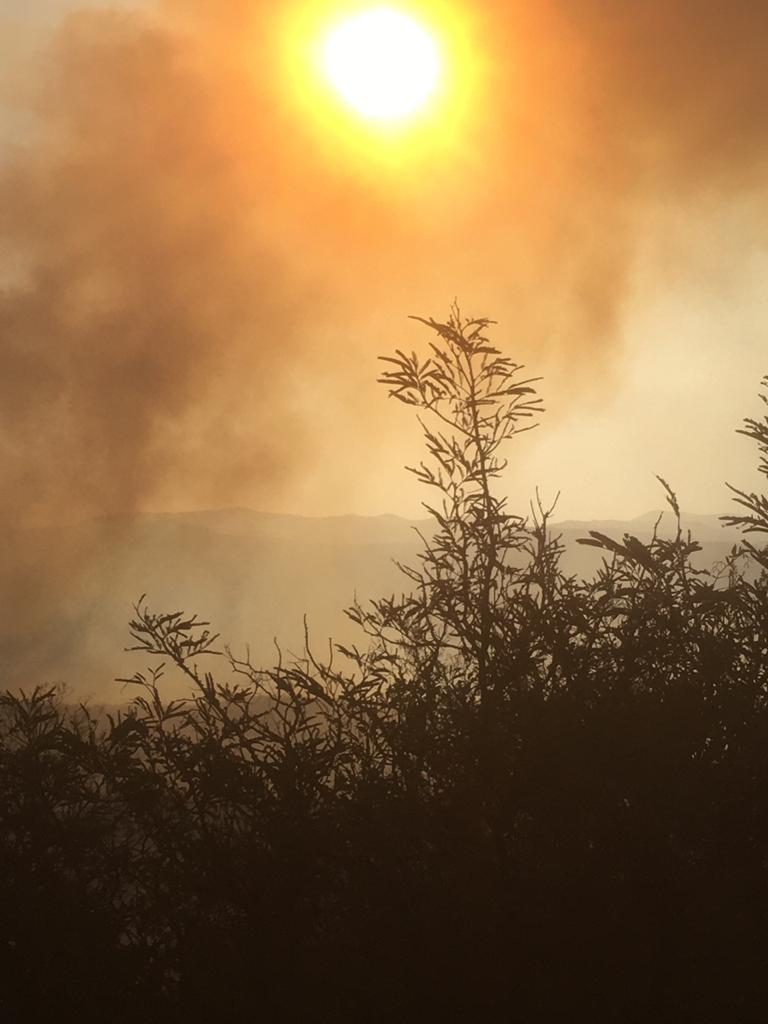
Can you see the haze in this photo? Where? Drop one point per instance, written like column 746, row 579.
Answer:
column 201, row 258
column 194, row 279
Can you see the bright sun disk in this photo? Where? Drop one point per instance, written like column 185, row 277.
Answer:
column 382, row 63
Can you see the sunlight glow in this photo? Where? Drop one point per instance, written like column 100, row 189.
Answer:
column 382, row 63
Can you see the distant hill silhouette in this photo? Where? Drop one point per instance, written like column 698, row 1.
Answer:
column 254, row 575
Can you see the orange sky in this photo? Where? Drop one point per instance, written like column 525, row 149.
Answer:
column 203, row 256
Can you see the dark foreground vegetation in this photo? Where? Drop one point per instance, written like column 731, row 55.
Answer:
column 524, row 797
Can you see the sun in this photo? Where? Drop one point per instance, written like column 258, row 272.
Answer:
column 382, row 63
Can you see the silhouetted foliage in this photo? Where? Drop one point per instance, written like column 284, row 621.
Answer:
column 524, row 796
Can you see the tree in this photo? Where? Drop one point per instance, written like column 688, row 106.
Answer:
column 475, row 404
column 525, row 796
column 756, row 519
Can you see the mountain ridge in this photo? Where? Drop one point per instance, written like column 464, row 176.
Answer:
column 253, row 575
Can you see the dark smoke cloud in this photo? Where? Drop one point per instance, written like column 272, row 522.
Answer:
column 184, row 246
column 147, row 329
column 146, row 282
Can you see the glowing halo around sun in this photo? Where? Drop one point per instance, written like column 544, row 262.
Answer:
column 379, row 91
column 382, row 63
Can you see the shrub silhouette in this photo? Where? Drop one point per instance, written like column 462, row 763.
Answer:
column 524, row 796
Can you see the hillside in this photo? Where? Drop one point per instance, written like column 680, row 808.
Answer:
column 253, row 575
